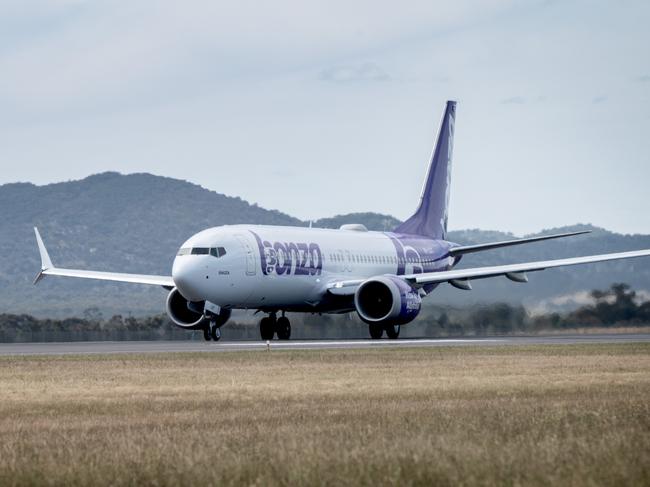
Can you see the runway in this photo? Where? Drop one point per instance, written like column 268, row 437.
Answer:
column 81, row 348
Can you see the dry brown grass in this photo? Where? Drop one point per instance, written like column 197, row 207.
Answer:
column 544, row 415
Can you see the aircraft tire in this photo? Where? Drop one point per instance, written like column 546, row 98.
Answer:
column 215, row 333
column 206, row 333
column 376, row 331
column 267, row 330
column 392, row 331
column 283, row 328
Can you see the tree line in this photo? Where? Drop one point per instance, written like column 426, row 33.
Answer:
column 617, row 306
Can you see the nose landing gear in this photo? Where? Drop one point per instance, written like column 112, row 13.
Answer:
column 213, row 323
column 271, row 325
column 215, row 332
column 212, row 331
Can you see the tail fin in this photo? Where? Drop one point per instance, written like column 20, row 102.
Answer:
column 430, row 219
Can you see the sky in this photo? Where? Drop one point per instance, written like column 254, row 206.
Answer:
column 319, row 108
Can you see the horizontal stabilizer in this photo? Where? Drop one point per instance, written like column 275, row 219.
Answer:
column 468, row 249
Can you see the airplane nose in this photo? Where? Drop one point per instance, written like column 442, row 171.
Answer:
column 187, row 274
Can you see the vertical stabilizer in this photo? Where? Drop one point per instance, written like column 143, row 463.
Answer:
column 430, row 218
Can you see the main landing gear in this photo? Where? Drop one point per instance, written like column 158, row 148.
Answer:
column 377, row 331
column 271, row 325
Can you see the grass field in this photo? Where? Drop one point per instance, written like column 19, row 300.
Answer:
column 542, row 415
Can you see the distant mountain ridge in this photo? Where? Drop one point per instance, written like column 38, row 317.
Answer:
column 136, row 222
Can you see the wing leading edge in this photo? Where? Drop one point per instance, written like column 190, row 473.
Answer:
column 48, row 269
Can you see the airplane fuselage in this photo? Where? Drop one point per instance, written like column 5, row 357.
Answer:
column 289, row 268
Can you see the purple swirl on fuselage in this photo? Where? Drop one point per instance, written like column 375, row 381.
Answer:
column 420, row 254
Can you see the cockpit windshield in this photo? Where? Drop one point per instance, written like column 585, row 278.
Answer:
column 213, row 251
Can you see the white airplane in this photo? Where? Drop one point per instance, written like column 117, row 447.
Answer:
column 383, row 276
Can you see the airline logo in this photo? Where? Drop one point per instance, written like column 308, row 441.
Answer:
column 285, row 258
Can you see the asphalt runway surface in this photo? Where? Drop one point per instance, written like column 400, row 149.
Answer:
column 81, row 348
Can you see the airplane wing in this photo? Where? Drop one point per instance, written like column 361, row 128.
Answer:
column 468, row 249
column 515, row 272
column 461, row 278
column 48, row 269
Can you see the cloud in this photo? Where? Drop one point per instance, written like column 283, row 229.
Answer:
column 119, row 52
column 644, row 79
column 347, row 74
column 599, row 99
column 514, row 100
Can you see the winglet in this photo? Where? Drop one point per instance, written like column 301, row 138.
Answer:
column 46, row 262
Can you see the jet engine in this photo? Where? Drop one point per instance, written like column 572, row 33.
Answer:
column 387, row 300
column 184, row 313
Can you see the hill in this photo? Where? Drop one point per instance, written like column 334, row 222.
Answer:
column 136, row 222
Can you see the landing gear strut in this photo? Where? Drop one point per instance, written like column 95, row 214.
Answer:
column 272, row 325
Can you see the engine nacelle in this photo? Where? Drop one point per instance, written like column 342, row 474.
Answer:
column 184, row 313
column 387, row 299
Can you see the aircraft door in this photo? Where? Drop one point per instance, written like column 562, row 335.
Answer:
column 249, row 254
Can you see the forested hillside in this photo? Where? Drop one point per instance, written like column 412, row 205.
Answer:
column 135, row 223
